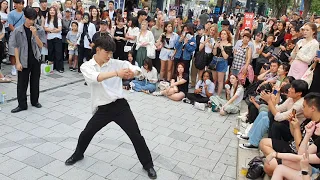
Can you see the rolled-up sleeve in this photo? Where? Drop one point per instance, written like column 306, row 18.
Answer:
column 89, row 72
column 283, row 112
column 42, row 35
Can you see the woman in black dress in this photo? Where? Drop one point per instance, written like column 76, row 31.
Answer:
column 120, row 39
column 315, row 86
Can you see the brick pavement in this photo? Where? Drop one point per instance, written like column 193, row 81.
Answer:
column 185, row 143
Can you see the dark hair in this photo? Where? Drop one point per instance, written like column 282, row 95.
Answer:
column 235, row 88
column 7, row 7
column 182, row 64
column 247, row 29
column 285, row 88
column 190, row 28
column 300, row 86
column 106, row 43
column 210, row 75
column 146, row 7
column 286, row 66
column 74, row 22
column 290, row 79
column 313, row 99
column 313, row 27
column 30, row 13
column 141, row 13
column 229, row 35
column 148, row 62
column 55, row 18
column 271, row 35
column 133, row 59
column 180, row 17
column 111, row 2
column 18, row 1
column 166, row 24
column 248, row 35
column 98, row 15
column 61, row 7
column 284, row 25
column 275, row 61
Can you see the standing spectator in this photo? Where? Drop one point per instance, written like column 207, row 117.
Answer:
column 66, row 24
column 87, row 30
column 44, row 8
column 71, row 39
column 15, row 19
column 132, row 33
column 79, row 7
column 68, row 5
column 144, row 40
column 204, row 17
column 242, row 56
column 168, row 40
column 185, row 47
column 104, row 32
column 142, row 16
column 279, row 34
column 53, row 27
column 195, row 72
column 40, row 19
column 207, row 42
column 27, row 41
column 176, row 27
column 225, row 25
column 304, row 52
column 315, row 85
column 95, row 18
column 111, row 11
column 231, row 20
column 147, row 9
column 4, row 18
column 157, row 30
column 79, row 17
column 257, row 43
column 120, row 39
column 221, row 52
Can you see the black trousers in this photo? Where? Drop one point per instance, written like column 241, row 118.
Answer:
column 253, row 112
column 280, row 131
column 156, row 61
column 119, row 112
column 33, row 71
column 55, row 53
column 83, row 53
column 197, row 98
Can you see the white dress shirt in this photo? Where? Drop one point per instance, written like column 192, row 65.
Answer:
column 108, row 90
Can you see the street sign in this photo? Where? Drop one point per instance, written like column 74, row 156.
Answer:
column 248, row 21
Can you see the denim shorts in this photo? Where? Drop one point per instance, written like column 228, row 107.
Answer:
column 221, row 64
column 315, row 173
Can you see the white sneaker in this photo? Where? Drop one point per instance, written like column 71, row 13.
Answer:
column 243, row 118
column 13, row 71
column 158, row 93
column 244, row 114
column 200, row 106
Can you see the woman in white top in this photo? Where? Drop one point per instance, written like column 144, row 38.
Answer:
column 148, row 78
column 304, row 52
column 4, row 16
column 145, row 41
column 234, row 98
column 53, row 27
column 207, row 42
column 257, row 44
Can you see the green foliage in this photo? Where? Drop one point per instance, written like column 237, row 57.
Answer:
column 315, row 7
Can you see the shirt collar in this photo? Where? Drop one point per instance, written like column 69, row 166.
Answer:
column 93, row 62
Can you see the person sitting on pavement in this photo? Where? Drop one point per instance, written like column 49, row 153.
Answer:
column 148, row 78
column 203, row 91
column 234, row 97
column 298, row 90
column 178, row 87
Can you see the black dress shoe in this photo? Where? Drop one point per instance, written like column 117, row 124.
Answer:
column 72, row 160
column 18, row 109
column 152, row 173
column 38, row 105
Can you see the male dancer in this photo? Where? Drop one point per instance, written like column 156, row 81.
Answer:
column 104, row 77
column 27, row 41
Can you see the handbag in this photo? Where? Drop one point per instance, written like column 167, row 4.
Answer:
column 163, row 85
column 151, row 51
column 46, row 69
column 213, row 66
column 255, row 170
column 308, row 75
column 200, row 60
column 127, row 48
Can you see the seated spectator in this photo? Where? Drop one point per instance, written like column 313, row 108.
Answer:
column 126, row 82
column 270, row 75
column 203, row 91
column 178, row 86
column 304, row 52
column 284, row 53
column 265, row 52
column 148, row 78
column 234, row 97
column 304, row 134
column 298, row 90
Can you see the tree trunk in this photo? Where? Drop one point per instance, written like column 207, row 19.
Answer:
column 307, row 6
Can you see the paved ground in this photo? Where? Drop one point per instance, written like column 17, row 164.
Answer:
column 185, row 143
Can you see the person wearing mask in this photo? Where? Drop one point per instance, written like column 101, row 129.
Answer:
column 304, row 52
column 167, row 40
column 15, row 19
column 144, row 39
column 86, row 30
column 53, row 27
column 44, row 8
column 104, row 77
column 27, row 41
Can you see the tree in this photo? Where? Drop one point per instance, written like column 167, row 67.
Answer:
column 307, row 7
column 278, row 6
column 315, row 7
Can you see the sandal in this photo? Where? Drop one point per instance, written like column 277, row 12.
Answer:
column 5, row 80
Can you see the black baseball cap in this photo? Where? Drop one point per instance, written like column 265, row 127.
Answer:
column 105, row 22
column 225, row 22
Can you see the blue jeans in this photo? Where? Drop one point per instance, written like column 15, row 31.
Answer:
column 221, row 64
column 259, row 128
column 235, row 71
column 144, row 85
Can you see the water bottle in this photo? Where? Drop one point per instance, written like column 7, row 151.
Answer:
column 3, row 98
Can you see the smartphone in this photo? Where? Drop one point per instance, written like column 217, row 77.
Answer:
column 294, row 112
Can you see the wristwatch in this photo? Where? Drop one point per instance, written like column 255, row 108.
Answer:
column 304, row 172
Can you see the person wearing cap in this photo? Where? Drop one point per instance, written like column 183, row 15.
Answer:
column 40, row 19
column 68, row 6
column 15, row 19
column 27, row 41
column 66, row 23
column 44, row 8
column 104, row 31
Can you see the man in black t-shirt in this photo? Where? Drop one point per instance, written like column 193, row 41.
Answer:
column 44, row 8
column 102, row 33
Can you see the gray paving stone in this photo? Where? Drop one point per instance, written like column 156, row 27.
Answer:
column 204, row 163
column 124, row 162
column 40, row 131
column 161, row 139
column 8, row 146
column 28, row 173
column 3, row 158
column 220, row 168
column 25, row 126
column 76, row 173
column 163, row 130
column 85, row 95
column 179, row 136
column 68, row 119
column 96, row 177
column 194, row 132
column 102, row 169
column 62, row 128
column 216, row 146
column 47, row 123
column 183, row 146
column 21, row 153
column 183, row 156
column 3, row 177
column 197, row 141
column 6, row 129
column 47, row 148
column 56, row 168
column 200, row 151
column 120, row 174
column 164, row 174
column 38, row 160
column 231, row 172
column 148, row 134
column 164, row 150
column 11, row 166
column 186, row 169
column 16, row 135
column 165, row 162
column 207, row 175
column 229, row 160
column 126, row 149
column 215, row 156
column 178, row 127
